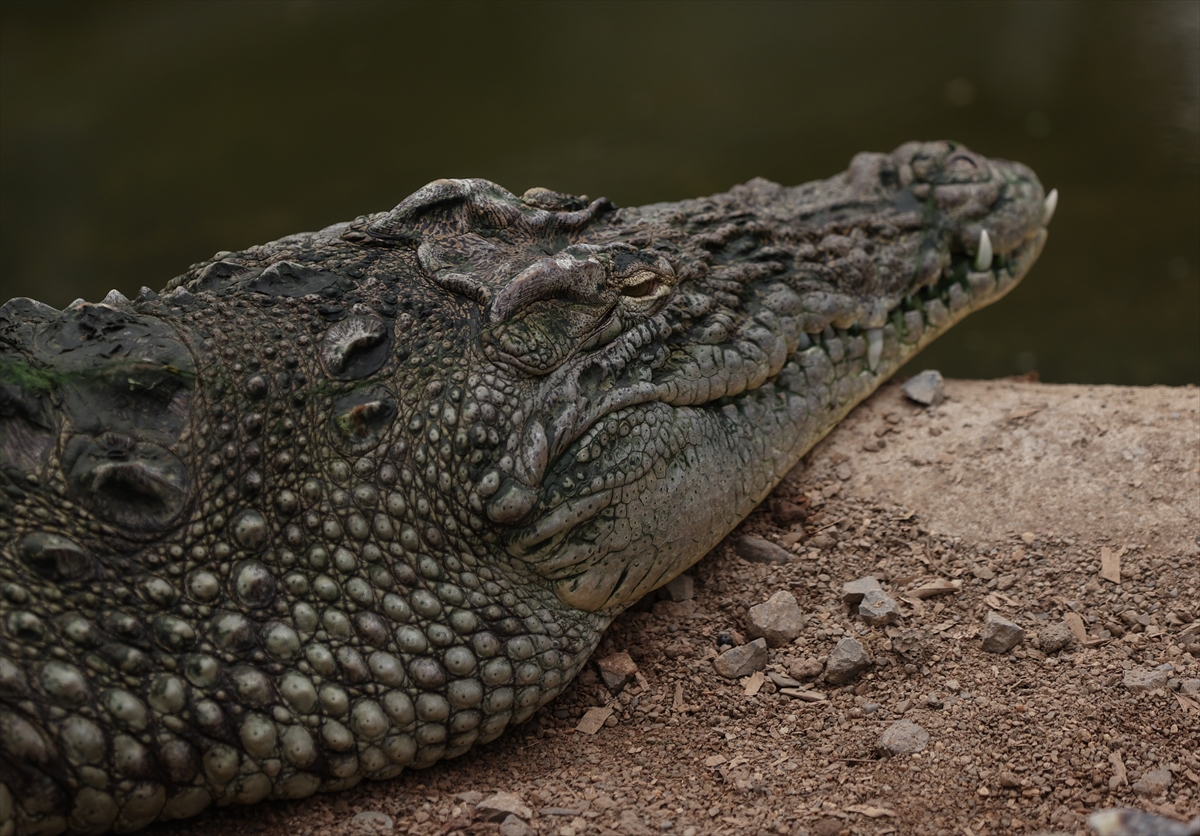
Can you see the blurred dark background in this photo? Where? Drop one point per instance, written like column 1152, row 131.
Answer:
column 137, row 138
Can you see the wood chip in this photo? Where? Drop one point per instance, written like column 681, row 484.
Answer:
column 1189, row 705
column 753, row 683
column 1075, row 622
column 870, row 811
column 801, row 694
column 1118, row 766
column 1110, row 565
column 592, row 721
column 1018, row 414
column 941, row 586
column 677, row 703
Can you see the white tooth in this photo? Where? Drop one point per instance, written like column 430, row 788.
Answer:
column 1049, row 206
column 983, row 258
column 874, row 348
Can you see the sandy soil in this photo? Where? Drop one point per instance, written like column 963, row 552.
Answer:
column 1020, row 493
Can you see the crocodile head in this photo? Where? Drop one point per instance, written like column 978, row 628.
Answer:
column 356, row 500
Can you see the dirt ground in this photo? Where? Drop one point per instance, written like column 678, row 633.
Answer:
column 1048, row 505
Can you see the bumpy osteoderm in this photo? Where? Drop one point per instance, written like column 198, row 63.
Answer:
column 357, row 500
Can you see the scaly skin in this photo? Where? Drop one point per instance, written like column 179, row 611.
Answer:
column 357, row 500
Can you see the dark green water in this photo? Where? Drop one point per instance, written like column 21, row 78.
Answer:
column 138, row 138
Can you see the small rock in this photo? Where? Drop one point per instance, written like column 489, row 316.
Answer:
column 999, row 634
column 758, row 550
column 782, row 681
column 373, row 821
column 903, row 737
column 1190, row 687
column 616, row 670
column 928, row 388
column 778, row 619
column 682, row 588
column 1139, row 823
column 843, row 471
column 741, row 661
column 1154, row 782
column 903, row 706
column 854, row 591
column 514, row 826
column 982, row 572
column 1055, row 637
column 909, row 644
column 804, row 668
column 933, row 700
column 594, row 719
column 878, row 609
column 1006, row 582
column 1141, row 679
column 848, row 659
column 788, row 514
column 822, row 541
column 501, row 806
column 469, row 797
column 1009, row 781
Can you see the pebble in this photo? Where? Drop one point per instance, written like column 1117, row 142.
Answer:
column 878, row 609
column 1139, row 823
column 1154, row 782
column 1141, row 679
column 788, row 514
column 778, row 619
column 758, row 550
column 374, row 821
column 1055, row 637
column 854, row 591
column 927, row 388
column 805, row 668
column 514, row 826
column 848, row 659
column 999, row 634
column 682, row 588
column 741, row 661
column 1191, row 687
column 617, row 670
column 909, row 644
column 501, row 807
column 903, row 737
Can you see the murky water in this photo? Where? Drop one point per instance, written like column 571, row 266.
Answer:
column 136, row 139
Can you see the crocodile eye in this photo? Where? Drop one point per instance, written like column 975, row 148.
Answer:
column 643, row 284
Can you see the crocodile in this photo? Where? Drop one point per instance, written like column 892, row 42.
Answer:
column 357, row 500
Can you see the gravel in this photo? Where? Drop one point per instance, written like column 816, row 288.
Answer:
column 1029, row 744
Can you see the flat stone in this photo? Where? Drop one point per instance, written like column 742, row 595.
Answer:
column 854, row 591
column 903, row 737
column 778, row 619
column 1143, row 680
column 927, row 388
column 1190, row 687
column 788, row 514
column 782, row 681
column 741, row 661
column 514, row 826
column 804, row 668
column 758, row 550
column 501, row 806
column 373, row 821
column 1055, row 637
column 594, row 719
column 999, row 634
column 682, row 588
column 878, row 609
column 1154, row 782
column 616, row 670
column 848, row 659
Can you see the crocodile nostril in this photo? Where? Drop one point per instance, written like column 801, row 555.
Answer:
column 137, row 485
column 55, row 558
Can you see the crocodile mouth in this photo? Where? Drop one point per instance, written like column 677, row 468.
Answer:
column 595, row 469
